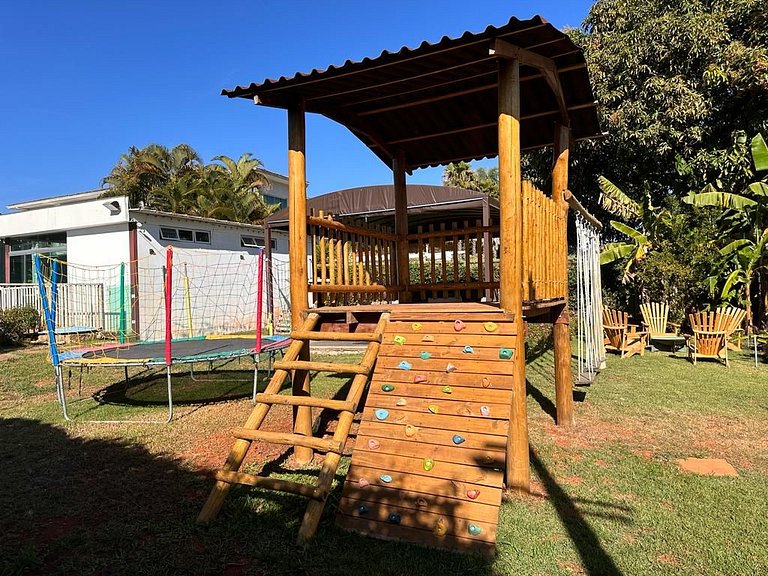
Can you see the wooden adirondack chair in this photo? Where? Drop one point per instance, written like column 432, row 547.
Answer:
column 734, row 318
column 709, row 338
column 656, row 320
column 621, row 336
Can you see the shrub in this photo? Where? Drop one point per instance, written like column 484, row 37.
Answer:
column 15, row 323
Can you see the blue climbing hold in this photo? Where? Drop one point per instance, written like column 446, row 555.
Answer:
column 363, row 509
column 385, row 478
column 394, row 518
column 458, row 439
column 505, row 353
column 381, row 414
column 425, row 355
column 469, row 350
column 404, row 365
column 474, row 529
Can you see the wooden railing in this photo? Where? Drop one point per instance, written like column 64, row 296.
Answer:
column 545, row 258
column 350, row 264
column 459, row 262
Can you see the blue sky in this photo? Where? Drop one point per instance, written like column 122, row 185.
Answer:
column 83, row 81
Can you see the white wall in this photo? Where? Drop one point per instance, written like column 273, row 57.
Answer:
column 68, row 217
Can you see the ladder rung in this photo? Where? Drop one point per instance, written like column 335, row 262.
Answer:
column 337, row 336
column 320, row 367
column 312, row 401
column 288, row 439
column 277, row 484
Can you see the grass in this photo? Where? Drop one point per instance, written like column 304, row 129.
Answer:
column 607, row 498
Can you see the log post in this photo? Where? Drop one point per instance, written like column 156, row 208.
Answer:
column 401, row 227
column 297, row 208
column 511, row 265
column 561, row 328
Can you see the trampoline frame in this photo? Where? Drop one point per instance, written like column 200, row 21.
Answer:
column 49, row 311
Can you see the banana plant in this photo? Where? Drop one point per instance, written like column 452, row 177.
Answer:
column 638, row 243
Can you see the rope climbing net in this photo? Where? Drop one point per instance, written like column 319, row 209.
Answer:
column 589, row 301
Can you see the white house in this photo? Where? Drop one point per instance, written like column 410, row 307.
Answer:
column 90, row 232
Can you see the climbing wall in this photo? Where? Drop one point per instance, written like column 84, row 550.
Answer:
column 429, row 456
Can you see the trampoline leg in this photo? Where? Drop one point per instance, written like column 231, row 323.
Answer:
column 126, row 377
column 255, row 377
column 61, row 393
column 170, row 395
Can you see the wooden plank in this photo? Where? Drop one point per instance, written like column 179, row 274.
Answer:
column 335, row 336
column 442, row 378
column 436, row 487
column 476, row 441
column 388, row 531
column 337, row 367
column 313, row 401
column 440, row 421
column 445, row 453
column 427, row 390
column 286, row 439
column 481, row 367
column 266, row 483
column 455, row 352
column 470, row 328
column 455, row 339
column 446, row 406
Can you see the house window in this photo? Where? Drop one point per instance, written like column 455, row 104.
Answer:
column 202, row 237
column 251, row 242
column 269, row 199
column 186, row 235
column 169, row 234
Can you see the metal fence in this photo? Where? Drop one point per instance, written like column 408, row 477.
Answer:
column 79, row 305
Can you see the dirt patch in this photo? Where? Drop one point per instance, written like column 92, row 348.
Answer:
column 707, row 466
column 668, row 559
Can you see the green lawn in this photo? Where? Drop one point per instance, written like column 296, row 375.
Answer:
column 608, row 497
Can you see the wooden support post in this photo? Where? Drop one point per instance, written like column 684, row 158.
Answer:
column 401, row 226
column 561, row 328
column 297, row 207
column 511, row 265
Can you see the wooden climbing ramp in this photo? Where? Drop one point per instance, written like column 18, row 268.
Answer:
column 429, row 455
column 230, row 473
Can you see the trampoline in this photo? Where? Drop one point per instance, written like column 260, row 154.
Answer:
column 210, row 297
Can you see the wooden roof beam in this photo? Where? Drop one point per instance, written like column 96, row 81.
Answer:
column 503, row 49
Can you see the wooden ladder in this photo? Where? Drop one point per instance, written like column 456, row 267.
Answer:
column 333, row 448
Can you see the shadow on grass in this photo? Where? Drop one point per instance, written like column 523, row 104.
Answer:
column 594, row 558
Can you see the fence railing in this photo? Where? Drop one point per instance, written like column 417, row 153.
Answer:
column 78, row 305
column 350, row 264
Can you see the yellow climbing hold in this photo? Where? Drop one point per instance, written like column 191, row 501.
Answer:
column 441, row 529
column 399, row 340
column 490, row 326
column 416, row 326
column 434, row 408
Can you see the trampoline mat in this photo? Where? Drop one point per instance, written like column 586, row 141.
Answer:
column 218, row 347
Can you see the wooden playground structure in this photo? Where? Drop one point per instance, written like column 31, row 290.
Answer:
column 444, row 427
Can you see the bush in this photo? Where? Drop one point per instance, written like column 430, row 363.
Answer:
column 15, row 323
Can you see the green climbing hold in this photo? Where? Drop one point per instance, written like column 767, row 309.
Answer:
column 474, row 529
column 387, row 387
column 447, row 390
column 505, row 353
column 425, row 355
column 399, row 340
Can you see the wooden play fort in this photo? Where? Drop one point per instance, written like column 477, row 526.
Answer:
column 441, row 305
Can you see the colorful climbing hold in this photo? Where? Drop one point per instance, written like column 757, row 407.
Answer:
column 450, row 368
column 473, row 494
column 457, row 439
column 419, row 378
column 381, row 414
column 427, row 338
column 447, row 390
column 387, row 387
column 421, row 503
column 394, row 518
column 490, row 326
column 374, row 444
column 363, row 482
column 416, row 326
column 401, row 402
column 428, row 464
column 505, row 353
column 385, row 478
column 434, row 408
column 468, row 350
column 458, row 325
column 425, row 355
column 485, row 411
column 486, row 382
column 410, row 431
column 363, row 509
column 404, row 365
column 440, row 528
column 399, row 340
column 474, row 529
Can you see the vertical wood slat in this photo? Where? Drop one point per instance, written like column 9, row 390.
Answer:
column 420, row 245
column 479, row 250
column 433, row 277
column 454, row 228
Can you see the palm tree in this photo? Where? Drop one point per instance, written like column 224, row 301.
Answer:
column 238, row 185
column 746, row 258
column 460, row 175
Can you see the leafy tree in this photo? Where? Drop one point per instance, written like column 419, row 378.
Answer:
column 461, row 175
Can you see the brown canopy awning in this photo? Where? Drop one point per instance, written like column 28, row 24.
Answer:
column 438, row 102
column 376, row 205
